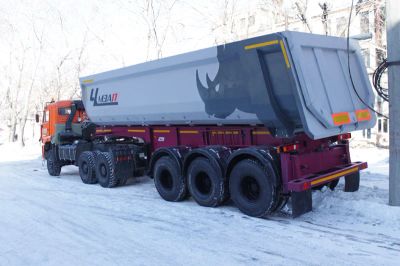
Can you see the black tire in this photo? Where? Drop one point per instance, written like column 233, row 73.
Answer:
column 253, row 188
column 53, row 164
column 122, row 181
column 87, row 167
column 206, row 185
column 95, row 154
column 105, row 170
column 333, row 184
column 282, row 201
column 169, row 182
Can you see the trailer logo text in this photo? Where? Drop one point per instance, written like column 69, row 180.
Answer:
column 103, row 99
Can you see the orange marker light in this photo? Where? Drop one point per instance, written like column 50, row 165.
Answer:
column 363, row 115
column 341, row 118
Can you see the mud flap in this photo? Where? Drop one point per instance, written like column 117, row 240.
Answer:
column 352, row 182
column 301, row 202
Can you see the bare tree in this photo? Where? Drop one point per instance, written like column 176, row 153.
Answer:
column 302, row 13
column 279, row 12
column 24, row 117
column 223, row 27
column 79, row 65
column 324, row 16
column 157, row 16
column 13, row 89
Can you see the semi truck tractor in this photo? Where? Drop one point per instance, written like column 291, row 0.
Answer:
column 258, row 121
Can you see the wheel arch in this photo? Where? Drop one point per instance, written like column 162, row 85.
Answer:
column 264, row 155
column 176, row 153
column 217, row 155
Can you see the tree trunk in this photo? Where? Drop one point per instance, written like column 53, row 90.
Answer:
column 13, row 130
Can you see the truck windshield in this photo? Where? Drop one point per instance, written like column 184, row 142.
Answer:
column 64, row 110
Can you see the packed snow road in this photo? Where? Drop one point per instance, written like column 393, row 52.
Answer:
column 60, row 221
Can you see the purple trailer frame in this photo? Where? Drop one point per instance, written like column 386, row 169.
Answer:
column 304, row 163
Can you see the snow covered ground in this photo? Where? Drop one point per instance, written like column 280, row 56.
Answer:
column 60, row 221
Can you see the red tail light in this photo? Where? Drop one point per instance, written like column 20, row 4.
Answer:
column 344, row 136
column 290, row 148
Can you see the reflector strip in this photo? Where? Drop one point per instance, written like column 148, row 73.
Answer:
column 161, row 131
column 225, row 132
column 341, row 118
column 137, row 130
column 231, row 132
column 285, row 54
column 260, row 133
column 189, row 131
column 103, row 130
column 88, row 81
column 331, row 177
column 363, row 115
column 257, row 45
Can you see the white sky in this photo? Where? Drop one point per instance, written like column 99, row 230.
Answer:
column 116, row 32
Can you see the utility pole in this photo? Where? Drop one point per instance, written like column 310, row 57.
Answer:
column 393, row 45
column 324, row 16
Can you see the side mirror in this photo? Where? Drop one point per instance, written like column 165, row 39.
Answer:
column 37, row 118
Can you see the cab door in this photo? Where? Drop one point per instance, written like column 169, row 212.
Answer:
column 45, row 126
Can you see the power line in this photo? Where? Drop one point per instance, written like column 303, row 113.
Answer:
column 348, row 65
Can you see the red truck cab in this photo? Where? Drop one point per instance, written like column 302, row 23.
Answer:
column 56, row 113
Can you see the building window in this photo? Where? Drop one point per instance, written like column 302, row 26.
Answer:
column 367, row 57
column 341, row 26
column 252, row 20
column 242, row 23
column 379, row 125
column 385, row 125
column 364, row 22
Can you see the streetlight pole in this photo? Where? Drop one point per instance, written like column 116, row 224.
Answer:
column 393, row 48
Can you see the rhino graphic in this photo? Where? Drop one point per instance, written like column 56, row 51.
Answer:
column 227, row 91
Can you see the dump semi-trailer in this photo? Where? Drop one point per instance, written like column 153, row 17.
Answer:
column 258, row 121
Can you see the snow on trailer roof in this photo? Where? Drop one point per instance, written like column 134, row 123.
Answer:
column 288, row 81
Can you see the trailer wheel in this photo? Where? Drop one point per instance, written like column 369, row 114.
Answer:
column 252, row 187
column 169, row 182
column 333, row 184
column 205, row 184
column 122, row 181
column 105, row 170
column 53, row 164
column 352, row 182
column 87, row 167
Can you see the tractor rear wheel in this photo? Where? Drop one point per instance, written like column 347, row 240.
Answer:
column 87, row 167
column 105, row 170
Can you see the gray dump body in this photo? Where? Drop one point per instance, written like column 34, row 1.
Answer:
column 289, row 81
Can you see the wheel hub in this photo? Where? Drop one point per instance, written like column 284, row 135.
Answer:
column 203, row 183
column 103, row 170
column 250, row 188
column 166, row 180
